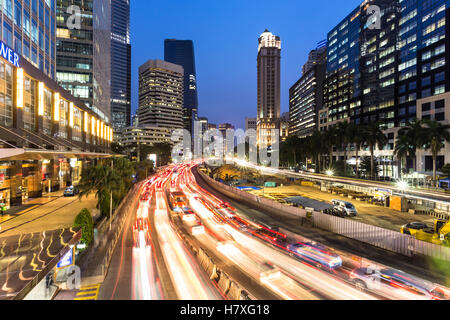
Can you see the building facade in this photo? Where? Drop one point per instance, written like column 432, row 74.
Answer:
column 251, row 123
column 46, row 134
column 181, row 52
column 161, row 95
column 83, row 60
column 269, row 88
column 385, row 72
column 29, row 28
column 306, row 96
column 120, row 66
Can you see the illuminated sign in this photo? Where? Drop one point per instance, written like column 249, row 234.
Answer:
column 8, row 54
column 67, row 260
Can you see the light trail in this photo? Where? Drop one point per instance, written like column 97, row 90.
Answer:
column 187, row 280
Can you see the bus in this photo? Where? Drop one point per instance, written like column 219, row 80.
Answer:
column 178, row 199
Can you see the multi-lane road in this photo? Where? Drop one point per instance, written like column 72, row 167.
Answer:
column 158, row 255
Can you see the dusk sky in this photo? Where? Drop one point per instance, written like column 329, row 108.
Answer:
column 225, row 35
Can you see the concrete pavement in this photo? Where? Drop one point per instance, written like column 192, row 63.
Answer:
column 49, row 213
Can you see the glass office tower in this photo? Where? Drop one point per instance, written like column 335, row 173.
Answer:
column 83, row 55
column 28, row 27
column 181, row 52
column 120, row 66
column 392, row 74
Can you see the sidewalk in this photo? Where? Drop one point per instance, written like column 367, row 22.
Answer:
column 30, row 205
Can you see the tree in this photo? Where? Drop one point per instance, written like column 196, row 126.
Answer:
column 366, row 167
column 412, row 131
column 373, row 137
column 433, row 138
column 329, row 141
column 446, row 170
column 104, row 180
column 344, row 139
column 404, row 148
column 355, row 137
column 289, row 148
column 85, row 221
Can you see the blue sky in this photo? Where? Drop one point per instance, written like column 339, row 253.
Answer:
column 225, row 35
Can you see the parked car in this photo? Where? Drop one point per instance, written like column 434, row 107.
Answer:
column 71, row 191
column 348, row 207
column 336, row 211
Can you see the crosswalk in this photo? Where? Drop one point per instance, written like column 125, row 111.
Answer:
column 88, row 293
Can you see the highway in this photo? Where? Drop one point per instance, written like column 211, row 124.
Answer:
column 157, row 257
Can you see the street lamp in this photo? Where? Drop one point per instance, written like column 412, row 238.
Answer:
column 402, row 185
column 330, row 173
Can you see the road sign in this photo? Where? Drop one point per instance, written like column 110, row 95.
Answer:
column 66, row 261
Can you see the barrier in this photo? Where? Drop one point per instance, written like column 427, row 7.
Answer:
column 235, row 291
column 212, row 271
column 224, row 282
column 376, row 236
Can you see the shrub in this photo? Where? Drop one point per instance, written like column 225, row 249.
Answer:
column 85, row 221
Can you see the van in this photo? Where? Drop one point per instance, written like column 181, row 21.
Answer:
column 348, row 207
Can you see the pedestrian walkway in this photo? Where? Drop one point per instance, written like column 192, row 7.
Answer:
column 30, row 205
column 88, row 293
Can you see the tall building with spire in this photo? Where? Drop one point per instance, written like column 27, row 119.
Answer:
column 269, row 61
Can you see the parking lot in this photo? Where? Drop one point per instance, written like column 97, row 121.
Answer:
column 367, row 213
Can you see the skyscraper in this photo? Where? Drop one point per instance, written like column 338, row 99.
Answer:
column 391, row 73
column 181, row 52
column 269, row 60
column 83, row 62
column 120, row 66
column 29, row 29
column 161, row 94
column 306, row 95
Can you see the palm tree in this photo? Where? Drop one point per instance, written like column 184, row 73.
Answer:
column 329, row 140
column 404, row 148
column 355, row 137
column 342, row 131
column 373, row 136
column 291, row 146
column 433, row 138
column 412, row 130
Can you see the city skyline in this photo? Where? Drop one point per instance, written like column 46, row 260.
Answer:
column 238, row 88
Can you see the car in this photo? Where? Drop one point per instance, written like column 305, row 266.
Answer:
column 395, row 284
column 141, row 227
column 71, row 191
column 315, row 254
column 336, row 211
column 348, row 207
column 413, row 227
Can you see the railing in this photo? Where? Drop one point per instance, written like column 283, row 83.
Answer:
column 376, row 236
